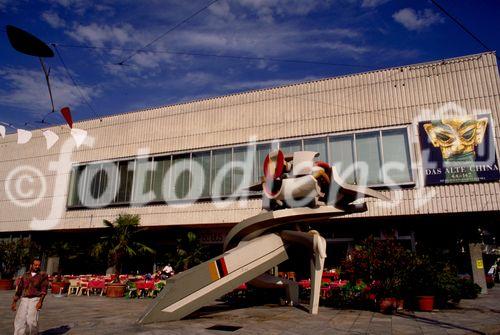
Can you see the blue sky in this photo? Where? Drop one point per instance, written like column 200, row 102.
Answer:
column 367, row 34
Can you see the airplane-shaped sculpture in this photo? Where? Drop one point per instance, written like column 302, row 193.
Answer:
column 296, row 189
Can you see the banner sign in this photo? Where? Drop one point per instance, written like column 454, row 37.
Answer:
column 458, row 150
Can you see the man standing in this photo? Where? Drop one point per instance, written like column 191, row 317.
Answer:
column 32, row 289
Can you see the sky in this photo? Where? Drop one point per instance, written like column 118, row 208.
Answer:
column 332, row 37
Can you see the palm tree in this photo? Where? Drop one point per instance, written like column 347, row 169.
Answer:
column 189, row 252
column 120, row 241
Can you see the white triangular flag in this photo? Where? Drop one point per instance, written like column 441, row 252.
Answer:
column 2, row 131
column 79, row 135
column 51, row 138
column 23, row 136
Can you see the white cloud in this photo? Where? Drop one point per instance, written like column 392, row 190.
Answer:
column 249, row 85
column 100, row 35
column 344, row 48
column 53, row 19
column 413, row 20
column 27, row 90
column 268, row 10
column 373, row 3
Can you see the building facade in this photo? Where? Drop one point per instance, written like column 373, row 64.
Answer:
column 187, row 166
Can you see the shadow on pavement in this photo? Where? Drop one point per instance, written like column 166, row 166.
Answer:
column 438, row 323
column 56, row 331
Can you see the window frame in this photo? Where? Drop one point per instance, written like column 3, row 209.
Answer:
column 276, row 143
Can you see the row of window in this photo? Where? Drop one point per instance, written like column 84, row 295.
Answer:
column 372, row 158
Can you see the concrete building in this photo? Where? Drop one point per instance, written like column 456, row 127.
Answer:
column 140, row 162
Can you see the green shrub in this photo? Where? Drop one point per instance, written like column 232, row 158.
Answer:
column 468, row 289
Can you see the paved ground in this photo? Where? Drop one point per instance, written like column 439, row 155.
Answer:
column 101, row 315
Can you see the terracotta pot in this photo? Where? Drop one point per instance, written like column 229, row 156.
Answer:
column 425, row 303
column 59, row 287
column 399, row 304
column 115, row 290
column 387, row 305
column 6, row 284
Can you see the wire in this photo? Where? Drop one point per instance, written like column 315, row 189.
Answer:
column 462, row 26
column 84, row 98
column 199, row 54
column 167, row 32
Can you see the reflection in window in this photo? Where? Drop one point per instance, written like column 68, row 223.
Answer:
column 180, row 177
column 262, row 151
column 396, row 152
column 342, row 156
column 369, row 160
column 125, row 178
column 201, row 179
column 77, row 186
column 317, row 145
column 243, row 173
column 289, row 147
column 221, row 172
column 161, row 178
column 142, row 180
column 93, row 182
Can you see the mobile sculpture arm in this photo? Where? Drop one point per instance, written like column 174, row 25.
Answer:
column 296, row 189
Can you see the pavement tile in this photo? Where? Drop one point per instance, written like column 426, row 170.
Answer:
column 102, row 316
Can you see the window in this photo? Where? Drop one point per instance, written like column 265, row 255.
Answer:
column 77, row 186
column 221, row 172
column 200, row 179
column 342, row 157
column 243, row 175
column 372, row 158
column 369, row 159
column 125, row 179
column 180, row 177
column 317, row 145
column 397, row 166
column 289, row 147
column 143, row 176
column 262, row 151
column 161, row 177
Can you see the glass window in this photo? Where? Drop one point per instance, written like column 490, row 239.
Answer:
column 262, row 151
column 76, row 186
column 221, row 172
column 142, row 180
column 161, row 178
column 180, row 176
column 396, row 154
column 243, row 161
column 92, row 191
column 317, row 145
column 200, row 180
column 369, row 160
column 289, row 147
column 107, row 186
column 125, row 178
column 342, row 157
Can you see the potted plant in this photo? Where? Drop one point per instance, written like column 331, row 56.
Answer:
column 423, row 283
column 13, row 255
column 120, row 242
column 386, row 265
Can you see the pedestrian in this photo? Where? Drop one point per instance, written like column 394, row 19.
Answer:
column 31, row 290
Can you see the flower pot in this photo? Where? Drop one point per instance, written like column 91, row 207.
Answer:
column 6, row 284
column 399, row 305
column 387, row 305
column 425, row 303
column 59, row 287
column 115, row 290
